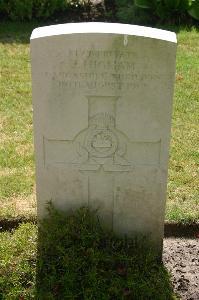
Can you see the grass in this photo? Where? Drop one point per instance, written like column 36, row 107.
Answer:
column 183, row 186
column 18, row 262
column 77, row 259
column 16, row 147
column 17, row 197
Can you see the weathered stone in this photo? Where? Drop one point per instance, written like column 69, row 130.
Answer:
column 102, row 98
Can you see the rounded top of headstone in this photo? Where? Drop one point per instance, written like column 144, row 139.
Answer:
column 100, row 27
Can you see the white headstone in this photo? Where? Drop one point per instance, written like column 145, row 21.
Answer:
column 102, row 99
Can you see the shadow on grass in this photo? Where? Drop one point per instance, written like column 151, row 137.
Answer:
column 178, row 28
column 20, row 32
column 77, row 259
column 17, row 32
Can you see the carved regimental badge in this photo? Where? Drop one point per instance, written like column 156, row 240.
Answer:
column 101, row 144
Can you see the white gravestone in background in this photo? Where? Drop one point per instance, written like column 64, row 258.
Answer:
column 102, row 99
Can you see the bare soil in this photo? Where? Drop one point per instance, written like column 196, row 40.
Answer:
column 181, row 258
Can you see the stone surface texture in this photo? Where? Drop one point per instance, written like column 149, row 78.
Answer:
column 102, row 100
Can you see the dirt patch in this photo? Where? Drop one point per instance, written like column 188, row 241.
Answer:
column 181, row 257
